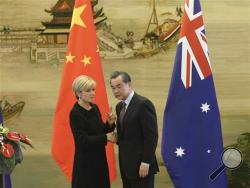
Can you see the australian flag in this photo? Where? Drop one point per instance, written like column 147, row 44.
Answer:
column 5, row 180
column 192, row 140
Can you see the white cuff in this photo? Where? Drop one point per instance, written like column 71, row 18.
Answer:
column 145, row 164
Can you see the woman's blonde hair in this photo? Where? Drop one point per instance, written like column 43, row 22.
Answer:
column 82, row 83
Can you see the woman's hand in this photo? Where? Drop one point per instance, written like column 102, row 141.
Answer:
column 111, row 118
column 112, row 137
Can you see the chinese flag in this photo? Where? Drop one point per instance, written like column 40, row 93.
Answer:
column 82, row 57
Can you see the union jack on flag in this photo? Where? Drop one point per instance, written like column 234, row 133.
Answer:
column 194, row 50
column 191, row 136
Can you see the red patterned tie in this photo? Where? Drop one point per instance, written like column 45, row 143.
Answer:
column 122, row 113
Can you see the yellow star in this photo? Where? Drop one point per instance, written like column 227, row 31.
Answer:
column 76, row 17
column 69, row 58
column 86, row 60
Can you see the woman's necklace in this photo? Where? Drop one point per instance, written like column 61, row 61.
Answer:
column 86, row 106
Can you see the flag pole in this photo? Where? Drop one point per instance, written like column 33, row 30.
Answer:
column 1, row 180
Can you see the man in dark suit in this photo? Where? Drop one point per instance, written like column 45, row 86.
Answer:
column 137, row 134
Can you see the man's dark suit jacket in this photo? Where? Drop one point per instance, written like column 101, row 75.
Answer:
column 137, row 137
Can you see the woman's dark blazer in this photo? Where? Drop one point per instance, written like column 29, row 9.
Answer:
column 90, row 168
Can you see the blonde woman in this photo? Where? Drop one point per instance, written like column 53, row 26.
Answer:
column 90, row 168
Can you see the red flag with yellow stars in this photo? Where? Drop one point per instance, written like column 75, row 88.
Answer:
column 82, row 57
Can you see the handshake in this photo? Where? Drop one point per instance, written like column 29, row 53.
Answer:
column 112, row 137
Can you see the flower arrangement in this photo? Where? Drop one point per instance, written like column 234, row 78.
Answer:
column 10, row 149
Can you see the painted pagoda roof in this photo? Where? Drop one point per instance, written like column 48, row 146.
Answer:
column 66, row 6
column 58, row 20
column 62, row 14
column 62, row 6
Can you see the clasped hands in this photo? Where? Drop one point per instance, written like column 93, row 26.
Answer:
column 112, row 137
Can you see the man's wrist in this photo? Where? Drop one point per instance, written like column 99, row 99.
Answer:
column 145, row 164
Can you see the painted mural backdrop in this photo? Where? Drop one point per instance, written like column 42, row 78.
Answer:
column 137, row 36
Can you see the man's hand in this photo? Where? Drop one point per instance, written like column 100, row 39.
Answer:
column 143, row 171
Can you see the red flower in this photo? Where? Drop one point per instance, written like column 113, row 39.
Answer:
column 13, row 136
column 25, row 139
column 7, row 150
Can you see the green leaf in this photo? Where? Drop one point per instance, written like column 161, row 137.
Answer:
column 9, row 162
